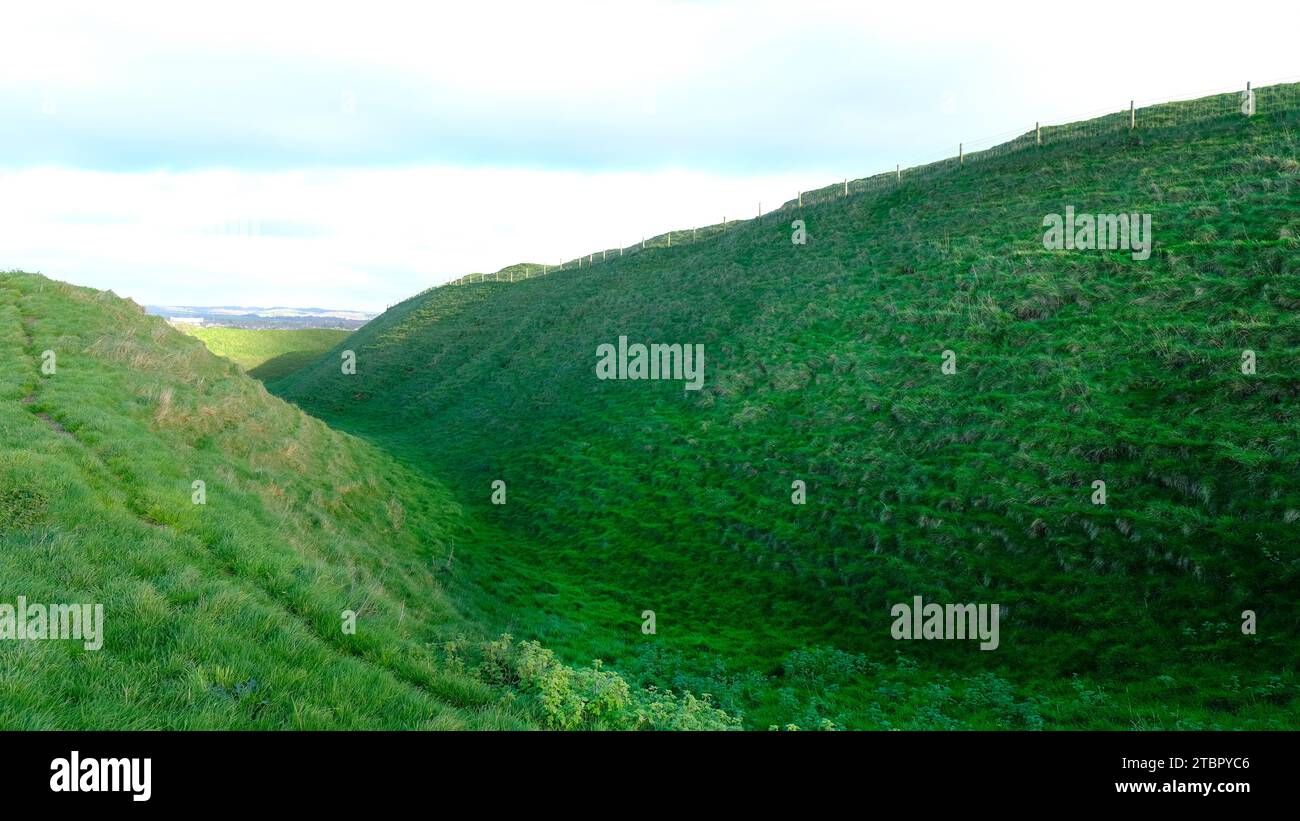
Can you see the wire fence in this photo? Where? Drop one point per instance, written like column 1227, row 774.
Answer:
column 1277, row 99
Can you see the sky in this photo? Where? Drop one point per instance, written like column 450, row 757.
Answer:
column 347, row 156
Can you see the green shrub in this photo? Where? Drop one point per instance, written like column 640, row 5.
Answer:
column 592, row 698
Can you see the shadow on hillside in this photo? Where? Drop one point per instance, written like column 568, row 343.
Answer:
column 286, row 364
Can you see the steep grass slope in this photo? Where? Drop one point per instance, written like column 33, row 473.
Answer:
column 256, row 569
column 223, row 614
column 823, row 364
column 269, row 353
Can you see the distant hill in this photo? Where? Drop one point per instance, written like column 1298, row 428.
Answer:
column 259, row 318
column 825, row 365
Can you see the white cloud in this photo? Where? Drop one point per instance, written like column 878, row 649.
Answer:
column 343, row 238
column 486, row 133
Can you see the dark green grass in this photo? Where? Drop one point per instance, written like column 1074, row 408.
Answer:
column 823, row 365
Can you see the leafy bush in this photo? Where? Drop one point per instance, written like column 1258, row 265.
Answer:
column 594, row 698
column 995, row 694
column 819, row 665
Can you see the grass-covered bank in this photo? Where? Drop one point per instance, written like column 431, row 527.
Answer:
column 227, row 536
column 824, row 366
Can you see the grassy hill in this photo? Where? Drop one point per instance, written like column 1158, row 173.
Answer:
column 225, row 614
column 823, row 364
column 227, row 608
column 268, row 353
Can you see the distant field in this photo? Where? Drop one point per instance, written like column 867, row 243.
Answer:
column 269, row 354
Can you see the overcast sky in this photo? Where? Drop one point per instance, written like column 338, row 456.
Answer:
column 348, row 156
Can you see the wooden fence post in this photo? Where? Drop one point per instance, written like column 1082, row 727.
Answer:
column 1132, row 115
column 961, row 154
column 1038, row 134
